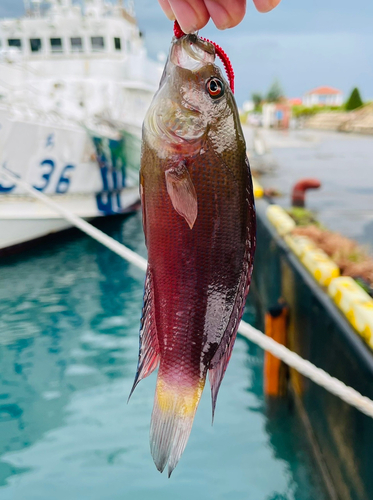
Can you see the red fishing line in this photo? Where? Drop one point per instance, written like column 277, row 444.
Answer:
column 178, row 32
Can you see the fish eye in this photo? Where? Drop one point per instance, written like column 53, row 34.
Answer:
column 215, row 88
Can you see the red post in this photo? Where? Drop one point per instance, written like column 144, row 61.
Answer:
column 299, row 191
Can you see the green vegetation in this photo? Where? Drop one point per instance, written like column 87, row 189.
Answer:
column 304, row 111
column 275, row 92
column 354, row 101
column 303, row 217
column 257, row 100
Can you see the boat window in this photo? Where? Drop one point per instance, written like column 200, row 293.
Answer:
column 117, row 44
column 97, row 43
column 76, row 44
column 15, row 42
column 56, row 44
column 35, row 44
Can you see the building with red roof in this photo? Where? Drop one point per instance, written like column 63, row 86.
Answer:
column 295, row 101
column 323, row 96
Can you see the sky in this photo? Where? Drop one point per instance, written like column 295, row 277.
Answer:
column 302, row 43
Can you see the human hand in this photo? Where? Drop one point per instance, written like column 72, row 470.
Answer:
column 193, row 15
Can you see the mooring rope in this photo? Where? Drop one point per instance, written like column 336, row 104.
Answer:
column 309, row 370
column 317, row 375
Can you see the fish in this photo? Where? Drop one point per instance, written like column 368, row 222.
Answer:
column 200, row 230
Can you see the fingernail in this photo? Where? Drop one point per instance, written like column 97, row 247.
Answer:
column 187, row 28
column 185, row 15
column 219, row 15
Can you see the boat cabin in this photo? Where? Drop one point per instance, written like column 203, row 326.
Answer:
column 61, row 28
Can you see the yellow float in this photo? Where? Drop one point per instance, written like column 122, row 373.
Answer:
column 258, row 190
column 355, row 303
column 299, row 244
column 322, row 268
column 283, row 223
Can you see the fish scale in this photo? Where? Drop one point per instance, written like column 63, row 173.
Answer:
column 199, row 224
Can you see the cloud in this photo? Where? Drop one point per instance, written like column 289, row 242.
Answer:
column 302, row 43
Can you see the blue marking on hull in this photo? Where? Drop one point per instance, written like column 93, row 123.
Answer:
column 112, row 172
column 4, row 189
column 104, row 203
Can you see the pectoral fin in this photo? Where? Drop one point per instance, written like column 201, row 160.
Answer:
column 183, row 195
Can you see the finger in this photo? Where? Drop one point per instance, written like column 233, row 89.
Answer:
column 223, row 16
column 166, row 7
column 266, row 5
column 192, row 15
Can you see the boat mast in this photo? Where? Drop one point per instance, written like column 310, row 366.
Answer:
column 33, row 7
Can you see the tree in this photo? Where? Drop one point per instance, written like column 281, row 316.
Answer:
column 257, row 99
column 275, row 92
column 354, row 101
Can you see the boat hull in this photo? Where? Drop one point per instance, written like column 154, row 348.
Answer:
column 92, row 172
column 27, row 219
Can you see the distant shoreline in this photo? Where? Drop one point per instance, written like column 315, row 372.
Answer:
column 359, row 121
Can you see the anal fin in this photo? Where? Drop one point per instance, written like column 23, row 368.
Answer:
column 217, row 372
column 149, row 348
column 219, row 362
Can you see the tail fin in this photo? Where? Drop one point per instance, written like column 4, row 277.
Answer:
column 172, row 420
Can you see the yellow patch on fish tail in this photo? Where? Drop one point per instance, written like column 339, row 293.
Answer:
column 181, row 399
column 175, row 405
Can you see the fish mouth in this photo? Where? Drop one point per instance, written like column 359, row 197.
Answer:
column 192, row 53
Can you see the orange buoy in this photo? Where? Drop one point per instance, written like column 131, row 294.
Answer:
column 275, row 371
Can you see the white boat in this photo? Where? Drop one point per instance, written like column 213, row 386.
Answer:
column 75, row 83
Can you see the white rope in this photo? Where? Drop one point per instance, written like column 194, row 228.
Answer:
column 320, row 377
column 317, row 375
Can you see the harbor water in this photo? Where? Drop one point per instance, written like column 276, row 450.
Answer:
column 342, row 162
column 69, row 318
